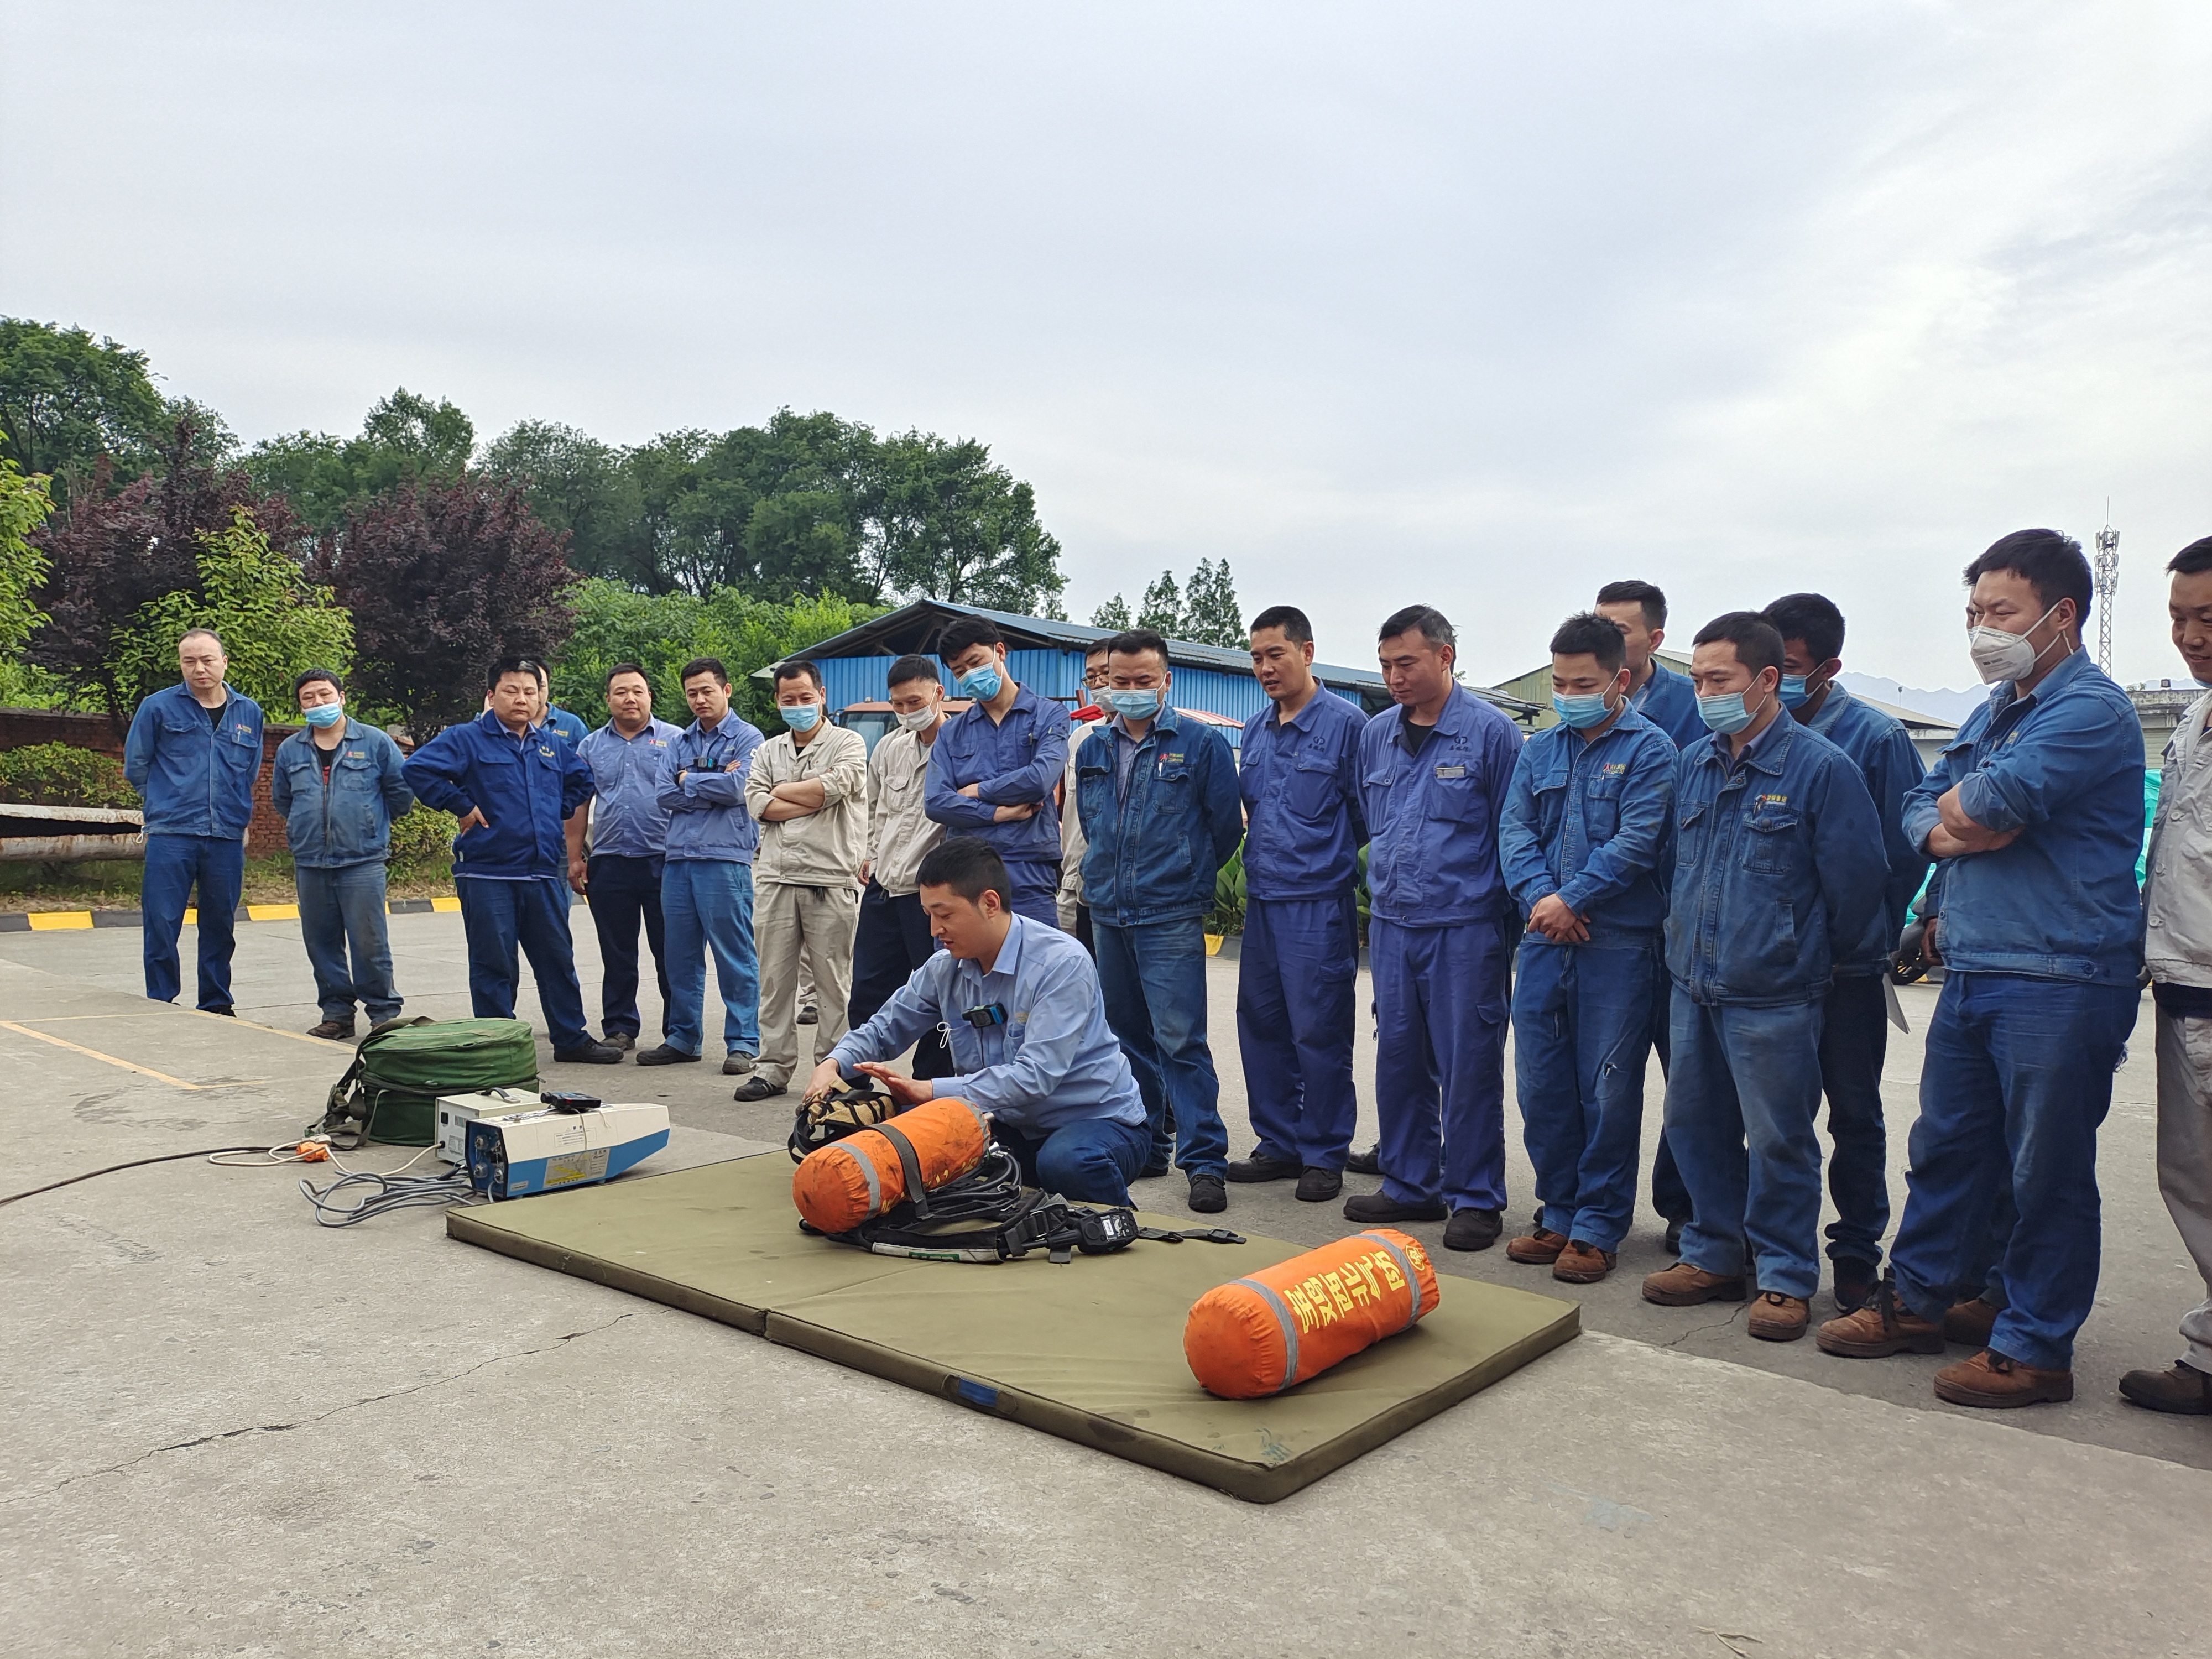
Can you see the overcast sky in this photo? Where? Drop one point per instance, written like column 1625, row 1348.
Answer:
column 1477, row 304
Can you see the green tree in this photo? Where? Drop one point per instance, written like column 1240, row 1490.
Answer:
column 67, row 399
column 949, row 523
column 576, row 483
column 404, row 438
column 25, row 504
column 273, row 621
column 1162, row 610
column 1113, row 614
column 1211, row 614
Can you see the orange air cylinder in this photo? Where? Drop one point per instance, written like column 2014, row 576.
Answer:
column 1259, row 1334
column 855, row 1180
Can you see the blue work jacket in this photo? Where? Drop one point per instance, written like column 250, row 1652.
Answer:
column 1669, row 701
column 1593, row 820
column 1880, row 746
column 2064, row 766
column 627, row 820
column 1300, row 783
column 348, row 820
column 569, row 728
column 1776, row 859
column 525, row 786
column 196, row 776
column 1154, row 852
column 1432, row 819
column 1019, row 759
column 706, row 816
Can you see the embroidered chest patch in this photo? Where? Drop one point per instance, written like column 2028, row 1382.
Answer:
column 1451, row 771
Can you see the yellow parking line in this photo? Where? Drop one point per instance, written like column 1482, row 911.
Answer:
column 445, row 906
column 95, row 1053
column 272, row 912
column 46, row 921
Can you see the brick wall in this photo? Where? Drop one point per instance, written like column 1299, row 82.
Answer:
column 21, row 728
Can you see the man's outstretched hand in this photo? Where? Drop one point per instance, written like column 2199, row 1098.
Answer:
column 907, row 1091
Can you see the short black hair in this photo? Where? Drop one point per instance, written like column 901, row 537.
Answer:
column 2047, row 562
column 970, row 866
column 798, row 668
column 964, row 632
column 1098, row 647
column 1812, row 617
column 506, row 665
column 699, row 665
column 621, row 668
column 911, row 667
column 1297, row 629
column 314, row 674
column 2193, row 559
column 1133, row 641
column 1587, row 634
column 1635, row 592
column 1757, row 642
column 1423, row 619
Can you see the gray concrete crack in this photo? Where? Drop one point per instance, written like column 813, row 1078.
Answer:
column 320, row 1417
column 1709, row 1325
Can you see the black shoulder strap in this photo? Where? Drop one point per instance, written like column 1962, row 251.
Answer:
column 917, row 1193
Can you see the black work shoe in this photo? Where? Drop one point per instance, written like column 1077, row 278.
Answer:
column 1318, row 1186
column 1207, row 1195
column 1675, row 1236
column 1471, row 1229
column 2184, row 1390
column 757, row 1087
column 1379, row 1207
column 1153, row 1170
column 338, row 1030
column 1855, row 1283
column 590, row 1054
column 810, row 1015
column 1367, row 1163
column 664, row 1055
column 624, row 1040
column 1260, row 1167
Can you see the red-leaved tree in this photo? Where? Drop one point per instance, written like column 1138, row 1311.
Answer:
column 443, row 578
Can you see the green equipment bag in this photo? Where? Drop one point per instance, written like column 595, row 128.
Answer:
column 390, row 1093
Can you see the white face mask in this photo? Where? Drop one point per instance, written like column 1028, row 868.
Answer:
column 2000, row 656
column 919, row 719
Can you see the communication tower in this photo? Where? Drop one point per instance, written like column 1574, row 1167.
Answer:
column 2108, row 584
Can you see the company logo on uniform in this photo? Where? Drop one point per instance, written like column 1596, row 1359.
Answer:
column 1771, row 800
column 1613, row 768
column 1451, row 771
column 545, row 750
column 1176, row 756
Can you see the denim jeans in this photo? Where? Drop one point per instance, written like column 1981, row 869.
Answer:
column 341, row 908
column 497, row 917
column 1090, row 1161
column 625, row 892
column 1668, row 1195
column 1297, row 988
column 707, row 905
column 1854, row 1043
column 174, row 866
column 1741, row 1098
column 1440, row 1011
column 1153, row 978
column 2017, row 1078
column 1581, row 1033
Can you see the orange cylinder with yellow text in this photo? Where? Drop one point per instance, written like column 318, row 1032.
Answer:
column 855, row 1180
column 1269, row 1330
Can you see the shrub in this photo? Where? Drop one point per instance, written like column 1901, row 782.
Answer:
column 424, row 836
column 56, row 775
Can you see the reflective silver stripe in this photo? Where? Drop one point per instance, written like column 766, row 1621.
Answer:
column 868, row 1175
column 1405, row 1267
column 1290, row 1331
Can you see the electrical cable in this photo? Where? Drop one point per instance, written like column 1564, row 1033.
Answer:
column 383, row 1194
column 136, row 1162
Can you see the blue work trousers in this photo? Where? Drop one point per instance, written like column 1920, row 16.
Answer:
column 1668, row 1195
column 624, row 893
column 497, row 917
column 892, row 939
column 174, row 866
column 706, row 904
column 1440, row 1002
column 1090, row 1161
column 1854, row 1043
column 1297, row 975
column 1742, row 1094
column 1153, row 978
column 1581, row 1033
column 2017, row 1078
column 1036, row 890
column 341, row 910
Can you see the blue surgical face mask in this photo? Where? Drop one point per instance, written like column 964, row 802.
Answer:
column 1135, row 705
column 325, row 713
column 1727, row 713
column 801, row 716
column 983, row 684
column 1793, row 693
column 1582, row 712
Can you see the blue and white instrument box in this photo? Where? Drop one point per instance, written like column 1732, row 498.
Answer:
column 544, row 1150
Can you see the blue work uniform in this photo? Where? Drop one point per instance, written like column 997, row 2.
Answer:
column 337, row 821
column 569, row 728
column 512, row 873
column 1778, row 866
column 1013, row 762
column 1297, row 969
column 1161, row 816
column 622, row 876
column 1855, row 1030
column 1591, row 820
column 1049, row 1070
column 1669, row 701
column 195, row 770
column 1436, row 938
column 2041, row 941
column 707, row 883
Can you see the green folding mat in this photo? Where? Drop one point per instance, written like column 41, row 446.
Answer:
column 1090, row 1351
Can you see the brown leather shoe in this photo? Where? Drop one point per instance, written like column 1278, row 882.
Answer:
column 1778, row 1318
column 1970, row 1323
column 1884, row 1326
column 2184, row 1390
column 1539, row 1248
column 1991, row 1379
column 1583, row 1264
column 1684, row 1286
